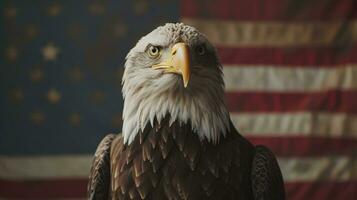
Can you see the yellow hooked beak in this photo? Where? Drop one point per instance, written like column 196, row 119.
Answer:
column 178, row 62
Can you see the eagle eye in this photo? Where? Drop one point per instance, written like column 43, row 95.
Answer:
column 153, row 51
column 201, row 50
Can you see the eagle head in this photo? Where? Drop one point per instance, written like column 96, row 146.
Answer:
column 174, row 71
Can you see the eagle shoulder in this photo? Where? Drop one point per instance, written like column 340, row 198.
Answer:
column 267, row 180
column 99, row 179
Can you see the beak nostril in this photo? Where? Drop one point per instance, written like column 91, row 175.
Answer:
column 174, row 52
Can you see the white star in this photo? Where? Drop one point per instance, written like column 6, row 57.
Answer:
column 53, row 96
column 12, row 53
column 54, row 9
column 50, row 52
column 10, row 12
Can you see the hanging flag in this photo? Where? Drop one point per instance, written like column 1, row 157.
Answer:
column 290, row 69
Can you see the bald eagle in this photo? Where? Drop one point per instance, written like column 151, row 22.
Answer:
column 177, row 140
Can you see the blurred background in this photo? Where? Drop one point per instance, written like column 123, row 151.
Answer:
column 290, row 71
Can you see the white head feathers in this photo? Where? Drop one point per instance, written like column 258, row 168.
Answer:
column 150, row 94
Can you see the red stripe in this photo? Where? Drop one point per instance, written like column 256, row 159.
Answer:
column 44, row 189
column 306, row 146
column 269, row 9
column 322, row 190
column 313, row 56
column 332, row 101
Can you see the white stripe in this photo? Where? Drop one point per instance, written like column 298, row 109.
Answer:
column 290, row 79
column 296, row 124
column 42, row 167
column 334, row 168
column 278, row 34
column 337, row 168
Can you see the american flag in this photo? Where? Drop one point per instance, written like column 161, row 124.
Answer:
column 290, row 72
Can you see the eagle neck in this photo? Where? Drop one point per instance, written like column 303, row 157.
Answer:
column 205, row 111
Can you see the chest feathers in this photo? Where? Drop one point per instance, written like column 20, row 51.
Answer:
column 168, row 160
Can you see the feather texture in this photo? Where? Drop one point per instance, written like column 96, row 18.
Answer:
column 99, row 180
column 231, row 169
column 175, row 170
column 266, row 176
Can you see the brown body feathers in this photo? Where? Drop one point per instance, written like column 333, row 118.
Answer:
column 170, row 162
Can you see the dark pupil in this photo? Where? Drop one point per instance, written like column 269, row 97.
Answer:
column 201, row 50
column 153, row 50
